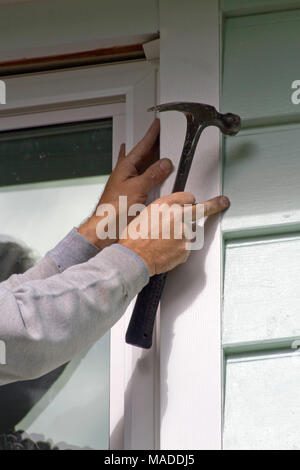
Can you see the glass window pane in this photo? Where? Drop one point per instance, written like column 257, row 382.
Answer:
column 56, row 152
column 262, row 406
column 69, row 406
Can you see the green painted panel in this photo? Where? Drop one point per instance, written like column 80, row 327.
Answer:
column 261, row 309
column 56, row 152
column 261, row 178
column 262, row 406
column 261, row 290
column 261, row 61
column 246, row 7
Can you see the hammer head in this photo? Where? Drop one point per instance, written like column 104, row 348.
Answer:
column 201, row 115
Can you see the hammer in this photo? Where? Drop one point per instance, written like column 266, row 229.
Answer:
column 199, row 116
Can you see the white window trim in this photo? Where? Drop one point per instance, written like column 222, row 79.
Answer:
column 190, row 323
column 123, row 92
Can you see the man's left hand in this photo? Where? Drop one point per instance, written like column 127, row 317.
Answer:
column 134, row 176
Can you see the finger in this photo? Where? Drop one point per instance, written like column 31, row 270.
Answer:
column 142, row 149
column 122, row 152
column 216, row 205
column 156, row 174
column 180, row 198
column 210, row 207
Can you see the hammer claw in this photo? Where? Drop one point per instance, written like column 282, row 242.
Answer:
column 204, row 115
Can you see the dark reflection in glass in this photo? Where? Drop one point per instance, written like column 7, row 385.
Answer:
column 56, row 152
column 66, row 167
column 17, row 399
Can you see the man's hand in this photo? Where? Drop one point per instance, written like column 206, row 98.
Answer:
column 133, row 176
column 162, row 254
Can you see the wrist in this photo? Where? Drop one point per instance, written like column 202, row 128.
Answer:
column 133, row 246
column 89, row 230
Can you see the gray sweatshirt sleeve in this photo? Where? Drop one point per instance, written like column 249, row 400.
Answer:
column 44, row 323
column 73, row 249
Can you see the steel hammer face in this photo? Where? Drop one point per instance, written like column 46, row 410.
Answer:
column 230, row 124
column 201, row 115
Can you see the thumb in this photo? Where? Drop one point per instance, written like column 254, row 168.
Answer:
column 216, row 205
column 157, row 173
column 211, row 207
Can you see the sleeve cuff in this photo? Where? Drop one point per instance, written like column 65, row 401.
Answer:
column 132, row 268
column 73, row 249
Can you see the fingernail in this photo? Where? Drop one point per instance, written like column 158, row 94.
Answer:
column 166, row 165
column 224, row 201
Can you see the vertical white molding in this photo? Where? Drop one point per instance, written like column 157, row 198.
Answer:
column 117, row 333
column 2, row 353
column 190, row 343
column 140, row 364
column 2, row 92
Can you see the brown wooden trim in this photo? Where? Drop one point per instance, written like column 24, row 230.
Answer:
column 96, row 56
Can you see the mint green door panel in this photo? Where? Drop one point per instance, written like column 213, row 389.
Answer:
column 261, row 230
column 261, row 60
column 262, row 405
column 261, row 178
column 244, row 7
column 262, row 290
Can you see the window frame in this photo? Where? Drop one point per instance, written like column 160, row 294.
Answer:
column 122, row 92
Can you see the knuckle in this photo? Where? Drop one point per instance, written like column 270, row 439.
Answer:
column 190, row 198
column 153, row 174
column 158, row 173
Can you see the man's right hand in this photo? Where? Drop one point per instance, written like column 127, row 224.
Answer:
column 162, row 254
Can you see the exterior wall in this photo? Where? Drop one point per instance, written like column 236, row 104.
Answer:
column 261, row 231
